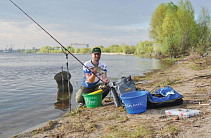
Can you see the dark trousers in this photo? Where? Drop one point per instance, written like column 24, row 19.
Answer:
column 79, row 98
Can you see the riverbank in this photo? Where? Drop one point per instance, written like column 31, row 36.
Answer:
column 190, row 77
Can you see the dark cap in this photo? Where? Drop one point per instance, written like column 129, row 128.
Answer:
column 96, row 50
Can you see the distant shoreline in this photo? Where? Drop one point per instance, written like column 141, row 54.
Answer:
column 116, row 54
column 83, row 54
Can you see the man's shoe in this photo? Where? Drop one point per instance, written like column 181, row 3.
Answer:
column 80, row 105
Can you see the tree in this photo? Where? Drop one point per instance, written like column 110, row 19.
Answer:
column 173, row 28
column 132, row 49
column 169, row 20
column 162, row 28
column 145, row 47
column 71, row 49
column 125, row 49
column 85, row 50
column 156, row 31
column 204, row 23
column 106, row 50
column 77, row 50
column 57, row 49
column 114, row 48
column 46, row 49
column 186, row 26
column 101, row 47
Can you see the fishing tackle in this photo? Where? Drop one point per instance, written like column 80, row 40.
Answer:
column 55, row 40
column 68, row 80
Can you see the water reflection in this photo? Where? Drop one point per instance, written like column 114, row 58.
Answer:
column 63, row 100
column 65, row 90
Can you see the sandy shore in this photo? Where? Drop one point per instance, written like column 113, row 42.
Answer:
column 191, row 78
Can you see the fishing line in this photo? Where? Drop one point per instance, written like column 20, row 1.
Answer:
column 55, row 40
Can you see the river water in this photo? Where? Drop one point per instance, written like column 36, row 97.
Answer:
column 28, row 91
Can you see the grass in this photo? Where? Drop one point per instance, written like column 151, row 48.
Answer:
column 138, row 78
column 173, row 81
column 131, row 131
column 122, row 119
column 120, row 130
column 197, row 68
column 111, row 116
column 170, row 59
column 85, row 126
column 90, row 127
column 171, row 129
column 50, row 125
column 200, row 64
column 75, row 112
column 110, row 128
column 201, row 90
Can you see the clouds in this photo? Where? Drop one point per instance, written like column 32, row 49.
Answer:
column 101, row 22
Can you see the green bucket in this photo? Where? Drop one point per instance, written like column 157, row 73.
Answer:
column 93, row 100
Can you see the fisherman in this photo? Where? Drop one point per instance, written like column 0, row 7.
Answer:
column 90, row 82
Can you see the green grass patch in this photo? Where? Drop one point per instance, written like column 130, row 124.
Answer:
column 49, row 126
column 201, row 90
column 197, row 68
column 90, row 127
column 111, row 116
column 132, row 131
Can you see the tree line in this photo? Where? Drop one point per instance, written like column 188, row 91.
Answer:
column 143, row 47
column 174, row 30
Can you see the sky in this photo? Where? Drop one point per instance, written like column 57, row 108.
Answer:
column 93, row 22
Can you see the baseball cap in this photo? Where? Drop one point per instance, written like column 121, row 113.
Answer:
column 96, row 50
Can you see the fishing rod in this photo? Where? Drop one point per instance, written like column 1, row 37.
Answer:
column 56, row 40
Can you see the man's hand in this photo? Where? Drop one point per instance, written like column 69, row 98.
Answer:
column 94, row 71
column 91, row 78
column 106, row 80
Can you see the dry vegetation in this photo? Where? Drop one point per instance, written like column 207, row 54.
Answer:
column 190, row 76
